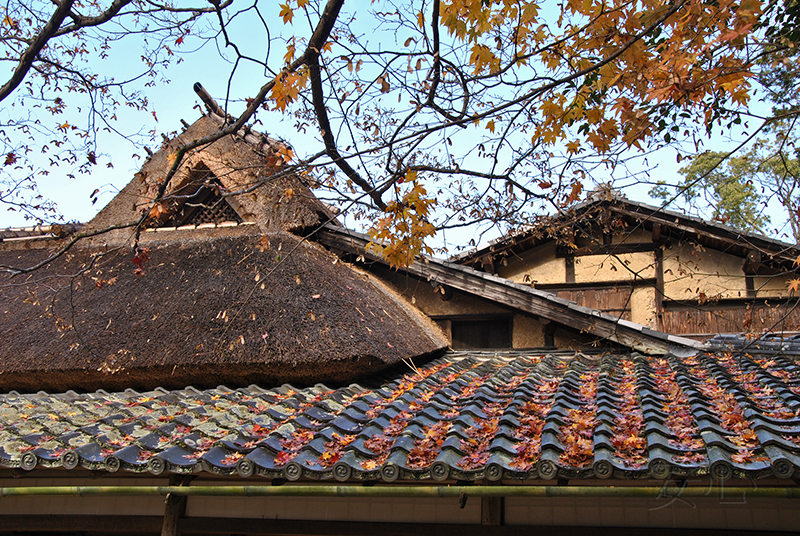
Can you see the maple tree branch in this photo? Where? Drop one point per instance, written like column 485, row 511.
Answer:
column 27, row 58
column 437, row 65
column 478, row 174
column 13, row 270
column 554, row 83
column 315, row 44
column 83, row 22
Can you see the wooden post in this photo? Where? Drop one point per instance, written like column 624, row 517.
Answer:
column 492, row 510
column 569, row 262
column 656, row 233
column 487, row 262
column 659, row 289
column 750, row 268
column 175, row 507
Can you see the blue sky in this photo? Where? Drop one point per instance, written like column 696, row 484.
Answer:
column 176, row 100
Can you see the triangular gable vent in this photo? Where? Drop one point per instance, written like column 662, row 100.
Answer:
column 201, row 202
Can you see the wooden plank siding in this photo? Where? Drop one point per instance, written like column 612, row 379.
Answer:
column 615, row 301
column 735, row 317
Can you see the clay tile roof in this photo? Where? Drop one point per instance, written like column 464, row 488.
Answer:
column 465, row 416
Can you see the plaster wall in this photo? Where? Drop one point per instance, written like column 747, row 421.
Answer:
column 716, row 511
column 423, row 295
column 622, row 267
column 726, row 513
column 689, row 271
column 643, row 306
column 528, row 332
column 636, row 236
column 535, row 266
column 774, row 286
column 89, row 505
column 713, row 512
column 377, row 509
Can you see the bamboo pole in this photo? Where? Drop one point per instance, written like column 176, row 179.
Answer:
column 407, row 491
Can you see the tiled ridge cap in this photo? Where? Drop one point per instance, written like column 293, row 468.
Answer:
column 644, row 210
column 743, row 342
column 532, row 300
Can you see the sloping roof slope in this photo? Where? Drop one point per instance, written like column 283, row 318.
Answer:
column 467, row 416
column 207, row 309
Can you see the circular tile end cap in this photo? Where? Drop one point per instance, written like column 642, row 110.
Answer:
column 390, row 472
column 70, row 460
column 782, row 468
column 659, row 469
column 494, row 472
column 245, row 468
column 156, row 465
column 440, row 471
column 547, row 470
column 603, row 469
column 721, row 471
column 342, row 471
column 112, row 464
column 29, row 461
column 292, row 471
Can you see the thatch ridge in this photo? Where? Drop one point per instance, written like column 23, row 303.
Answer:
column 207, row 311
column 272, row 198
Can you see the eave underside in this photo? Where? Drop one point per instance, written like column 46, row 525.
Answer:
column 737, row 508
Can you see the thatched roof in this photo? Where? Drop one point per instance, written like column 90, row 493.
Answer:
column 249, row 165
column 239, row 303
column 209, row 309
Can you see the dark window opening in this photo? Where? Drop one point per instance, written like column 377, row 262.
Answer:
column 201, row 202
column 481, row 333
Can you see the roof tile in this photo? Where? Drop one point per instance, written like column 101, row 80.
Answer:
column 469, row 415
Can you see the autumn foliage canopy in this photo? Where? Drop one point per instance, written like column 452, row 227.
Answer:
column 424, row 115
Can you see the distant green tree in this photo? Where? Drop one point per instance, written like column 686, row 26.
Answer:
column 740, row 186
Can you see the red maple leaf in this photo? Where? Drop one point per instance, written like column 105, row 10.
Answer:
column 141, row 257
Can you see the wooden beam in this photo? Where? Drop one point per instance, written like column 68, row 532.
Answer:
column 487, row 262
column 175, row 507
column 569, row 266
column 597, row 285
column 607, row 249
column 656, row 233
column 731, row 239
column 549, row 334
column 752, row 262
column 750, row 285
column 659, row 288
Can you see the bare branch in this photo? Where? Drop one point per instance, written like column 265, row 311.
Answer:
column 35, row 47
